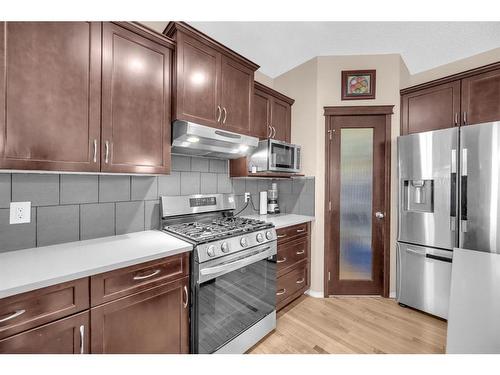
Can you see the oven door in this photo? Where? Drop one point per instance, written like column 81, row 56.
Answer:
column 283, row 157
column 232, row 294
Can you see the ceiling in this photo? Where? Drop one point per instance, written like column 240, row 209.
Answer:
column 280, row 46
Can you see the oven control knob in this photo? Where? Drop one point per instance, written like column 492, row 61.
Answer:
column 269, row 235
column 260, row 237
column 244, row 242
column 211, row 251
column 224, row 247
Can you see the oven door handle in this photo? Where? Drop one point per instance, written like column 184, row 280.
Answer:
column 228, row 267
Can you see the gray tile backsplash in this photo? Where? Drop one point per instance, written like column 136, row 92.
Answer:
column 71, row 207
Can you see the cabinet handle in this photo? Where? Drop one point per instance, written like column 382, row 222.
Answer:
column 186, row 296
column 456, row 118
column 281, row 236
column 465, row 118
column 270, row 131
column 219, row 113
column 154, row 273
column 106, row 152
column 82, row 339
column 274, row 132
column 300, row 281
column 300, row 230
column 300, row 252
column 95, row 151
column 15, row 314
column 225, row 114
column 281, row 292
column 281, row 260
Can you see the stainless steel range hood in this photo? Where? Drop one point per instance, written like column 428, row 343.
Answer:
column 193, row 139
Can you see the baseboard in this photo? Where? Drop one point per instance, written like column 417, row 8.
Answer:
column 315, row 294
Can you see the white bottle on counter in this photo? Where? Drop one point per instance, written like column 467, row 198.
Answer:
column 263, row 203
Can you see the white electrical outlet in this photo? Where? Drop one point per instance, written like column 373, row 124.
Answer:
column 247, row 197
column 20, row 212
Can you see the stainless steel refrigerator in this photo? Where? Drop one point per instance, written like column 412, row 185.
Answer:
column 449, row 196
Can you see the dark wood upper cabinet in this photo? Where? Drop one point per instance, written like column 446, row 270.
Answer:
column 481, row 98
column 470, row 97
column 261, row 114
column 236, row 95
column 214, row 85
column 135, row 102
column 272, row 114
column 196, row 91
column 50, row 95
column 281, row 120
column 155, row 321
column 65, row 336
column 431, row 109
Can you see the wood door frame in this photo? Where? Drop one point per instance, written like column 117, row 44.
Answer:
column 329, row 113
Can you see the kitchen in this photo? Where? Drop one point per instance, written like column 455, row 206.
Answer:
column 163, row 194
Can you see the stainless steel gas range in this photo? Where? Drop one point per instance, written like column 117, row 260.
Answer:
column 233, row 271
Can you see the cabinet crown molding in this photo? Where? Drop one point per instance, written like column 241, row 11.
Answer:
column 174, row 26
column 274, row 93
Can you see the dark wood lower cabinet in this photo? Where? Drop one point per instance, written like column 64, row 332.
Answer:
column 149, row 322
column 293, row 263
column 65, row 336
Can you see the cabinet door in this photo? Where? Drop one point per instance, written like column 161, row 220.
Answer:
column 281, row 120
column 481, row 97
column 236, row 96
column 198, row 68
column 431, row 109
column 261, row 115
column 150, row 322
column 65, row 336
column 135, row 103
column 50, row 95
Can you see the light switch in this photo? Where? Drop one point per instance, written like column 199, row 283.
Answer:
column 20, row 212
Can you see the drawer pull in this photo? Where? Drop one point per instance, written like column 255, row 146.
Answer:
column 281, row 260
column 13, row 315
column 300, row 281
column 300, row 252
column 281, row 292
column 82, row 338
column 154, row 273
column 281, row 236
column 300, row 230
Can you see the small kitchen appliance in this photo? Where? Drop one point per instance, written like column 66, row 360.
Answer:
column 272, row 200
column 233, row 271
column 275, row 156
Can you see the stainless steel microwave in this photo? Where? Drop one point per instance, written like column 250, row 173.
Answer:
column 275, row 156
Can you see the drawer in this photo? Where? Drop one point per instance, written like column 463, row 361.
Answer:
column 290, row 253
column 290, row 233
column 28, row 310
column 291, row 282
column 115, row 284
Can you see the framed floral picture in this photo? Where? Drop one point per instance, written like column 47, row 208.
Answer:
column 358, row 84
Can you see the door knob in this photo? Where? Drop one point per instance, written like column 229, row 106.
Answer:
column 379, row 215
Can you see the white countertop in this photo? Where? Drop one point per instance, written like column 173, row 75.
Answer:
column 283, row 220
column 30, row 269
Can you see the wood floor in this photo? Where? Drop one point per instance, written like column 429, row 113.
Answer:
column 346, row 325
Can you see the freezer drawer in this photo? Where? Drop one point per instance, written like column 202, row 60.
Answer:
column 427, row 166
column 424, row 278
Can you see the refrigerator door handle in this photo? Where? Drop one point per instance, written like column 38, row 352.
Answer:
column 463, row 194
column 453, row 191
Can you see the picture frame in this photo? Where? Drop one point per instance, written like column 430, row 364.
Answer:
column 358, row 84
